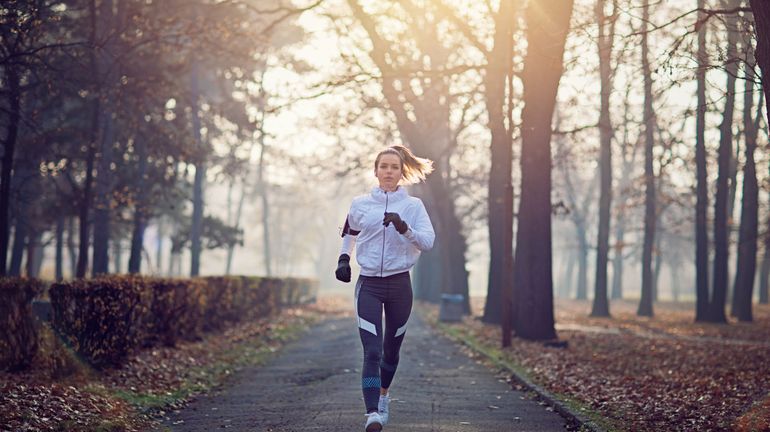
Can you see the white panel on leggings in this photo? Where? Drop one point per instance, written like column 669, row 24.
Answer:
column 366, row 325
column 401, row 330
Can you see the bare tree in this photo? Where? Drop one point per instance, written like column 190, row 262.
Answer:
column 645, row 304
column 747, row 241
column 701, row 207
column 548, row 24
column 606, row 23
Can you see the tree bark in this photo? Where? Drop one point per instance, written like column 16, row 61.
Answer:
column 701, row 225
column 601, row 307
column 501, row 151
column 582, row 280
column 747, row 239
column 200, row 175
column 159, row 245
column 85, row 209
column 549, row 23
column 71, row 248
column 617, row 259
column 267, row 255
column 34, row 253
column 104, row 71
column 645, row 303
column 140, row 210
column 658, row 264
column 59, row 258
column 236, row 223
column 764, row 275
column 117, row 255
column 761, row 11
column 721, row 220
column 19, row 242
column 9, row 146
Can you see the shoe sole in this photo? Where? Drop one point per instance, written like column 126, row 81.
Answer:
column 374, row 427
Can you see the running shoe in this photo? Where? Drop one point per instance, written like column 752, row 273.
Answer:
column 384, row 408
column 373, row 422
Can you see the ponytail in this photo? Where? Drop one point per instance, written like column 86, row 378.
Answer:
column 413, row 169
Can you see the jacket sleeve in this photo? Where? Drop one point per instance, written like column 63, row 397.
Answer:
column 349, row 234
column 421, row 234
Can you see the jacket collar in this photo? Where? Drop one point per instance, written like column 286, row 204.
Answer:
column 379, row 194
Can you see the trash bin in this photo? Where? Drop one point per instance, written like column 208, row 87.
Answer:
column 451, row 308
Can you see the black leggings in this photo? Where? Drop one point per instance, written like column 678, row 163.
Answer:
column 381, row 353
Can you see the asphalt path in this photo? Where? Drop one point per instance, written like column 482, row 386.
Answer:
column 313, row 384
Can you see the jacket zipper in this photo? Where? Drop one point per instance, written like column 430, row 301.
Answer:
column 384, row 228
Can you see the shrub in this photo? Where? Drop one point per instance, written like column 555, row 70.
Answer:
column 103, row 318
column 18, row 330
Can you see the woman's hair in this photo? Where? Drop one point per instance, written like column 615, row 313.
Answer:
column 413, row 169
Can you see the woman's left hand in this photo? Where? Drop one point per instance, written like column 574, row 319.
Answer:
column 399, row 224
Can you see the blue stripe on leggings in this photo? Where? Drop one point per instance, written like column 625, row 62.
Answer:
column 370, row 382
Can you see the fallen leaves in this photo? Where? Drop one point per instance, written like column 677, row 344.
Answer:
column 665, row 373
column 151, row 382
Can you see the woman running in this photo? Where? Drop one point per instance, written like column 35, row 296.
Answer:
column 391, row 228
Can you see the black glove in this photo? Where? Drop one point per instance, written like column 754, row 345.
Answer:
column 400, row 225
column 343, row 268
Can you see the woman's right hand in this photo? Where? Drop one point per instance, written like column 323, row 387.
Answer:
column 343, row 268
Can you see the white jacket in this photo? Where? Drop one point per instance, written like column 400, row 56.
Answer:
column 382, row 251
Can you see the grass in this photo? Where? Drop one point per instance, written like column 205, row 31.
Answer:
column 209, row 376
column 497, row 358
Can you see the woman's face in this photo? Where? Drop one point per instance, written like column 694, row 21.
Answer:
column 388, row 171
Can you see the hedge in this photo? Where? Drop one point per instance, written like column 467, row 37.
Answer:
column 18, row 338
column 106, row 319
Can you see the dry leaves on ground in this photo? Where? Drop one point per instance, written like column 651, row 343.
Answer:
column 664, row 373
column 90, row 400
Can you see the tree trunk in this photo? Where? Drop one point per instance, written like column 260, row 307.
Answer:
column 59, row 272
column 601, row 307
column 427, row 275
column 765, row 274
column 721, row 223
column 701, row 207
column 658, row 266
column 117, row 255
column 34, row 251
column 200, row 175
column 582, row 280
column 645, row 303
column 140, row 208
column 104, row 71
column 103, row 197
column 19, row 243
column 501, row 151
column 265, row 200
column 549, row 23
column 455, row 276
column 71, row 249
column 617, row 260
column 761, row 10
column 159, row 245
column 9, row 146
column 747, row 239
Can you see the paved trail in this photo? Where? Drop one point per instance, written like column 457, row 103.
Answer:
column 313, row 384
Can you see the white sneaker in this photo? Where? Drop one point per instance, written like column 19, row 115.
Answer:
column 373, row 422
column 384, row 408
